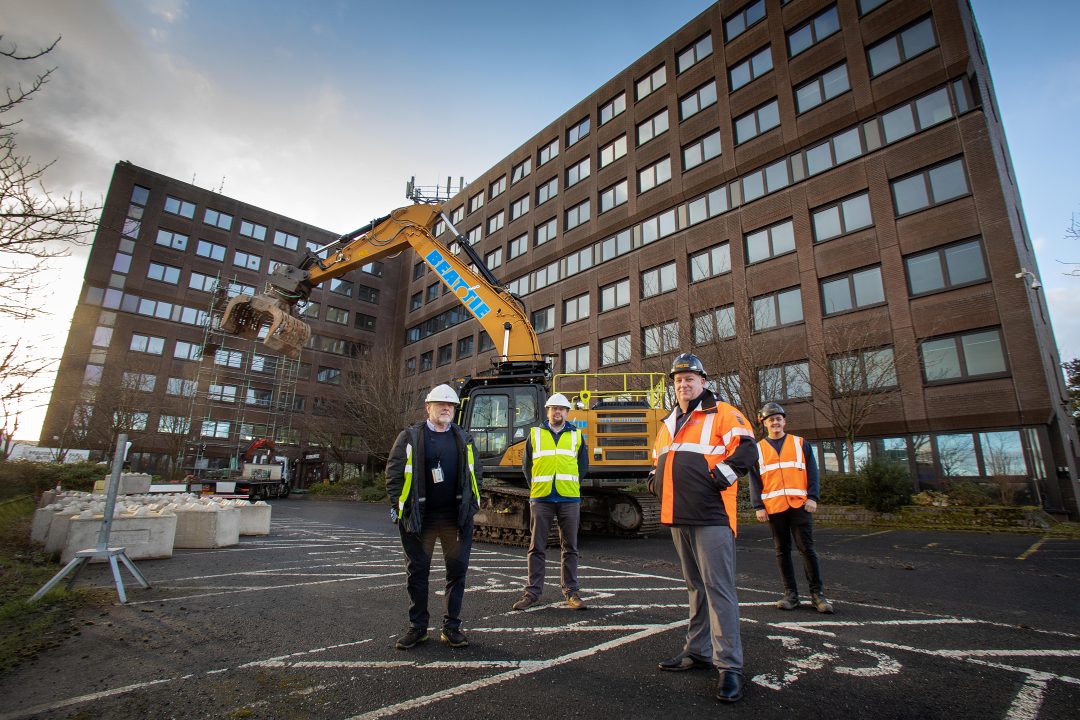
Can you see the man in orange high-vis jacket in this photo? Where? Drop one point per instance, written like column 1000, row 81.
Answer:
column 700, row 451
column 784, row 492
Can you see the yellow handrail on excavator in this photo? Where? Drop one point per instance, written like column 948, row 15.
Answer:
column 500, row 313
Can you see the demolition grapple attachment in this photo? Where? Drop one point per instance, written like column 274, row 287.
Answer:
column 245, row 316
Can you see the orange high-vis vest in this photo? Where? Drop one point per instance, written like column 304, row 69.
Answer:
column 783, row 475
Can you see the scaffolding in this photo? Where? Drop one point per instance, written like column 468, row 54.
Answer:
column 240, row 394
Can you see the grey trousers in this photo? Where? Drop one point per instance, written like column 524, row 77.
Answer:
column 568, row 515
column 707, row 556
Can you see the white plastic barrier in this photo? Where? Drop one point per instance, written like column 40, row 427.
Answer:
column 144, row 537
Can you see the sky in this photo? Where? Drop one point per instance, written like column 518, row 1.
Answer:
column 322, row 110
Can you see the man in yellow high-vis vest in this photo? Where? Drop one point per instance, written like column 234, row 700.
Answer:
column 555, row 462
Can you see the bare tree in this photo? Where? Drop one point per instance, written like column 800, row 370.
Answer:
column 36, row 228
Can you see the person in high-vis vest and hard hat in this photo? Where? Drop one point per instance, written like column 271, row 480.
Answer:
column 784, row 493
column 701, row 450
column 433, row 479
column 555, row 461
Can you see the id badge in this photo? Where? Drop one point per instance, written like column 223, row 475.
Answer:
column 437, row 474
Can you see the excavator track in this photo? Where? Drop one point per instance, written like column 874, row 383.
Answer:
column 504, row 515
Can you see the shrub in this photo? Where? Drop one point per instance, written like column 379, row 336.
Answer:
column 841, row 489
column 886, row 486
column 968, row 494
column 33, row 478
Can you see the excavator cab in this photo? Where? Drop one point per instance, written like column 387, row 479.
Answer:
column 245, row 316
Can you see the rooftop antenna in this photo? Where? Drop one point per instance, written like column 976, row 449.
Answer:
column 431, row 194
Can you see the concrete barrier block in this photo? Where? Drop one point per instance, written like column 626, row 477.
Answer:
column 254, row 519
column 58, row 532
column 47, row 498
column 143, row 538
column 207, row 528
column 130, row 484
column 39, row 527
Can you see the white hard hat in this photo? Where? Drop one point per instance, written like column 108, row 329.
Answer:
column 558, row 400
column 442, row 393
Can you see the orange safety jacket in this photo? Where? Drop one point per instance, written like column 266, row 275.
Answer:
column 695, row 483
column 784, row 482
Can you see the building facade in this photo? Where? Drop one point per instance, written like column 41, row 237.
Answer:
column 815, row 196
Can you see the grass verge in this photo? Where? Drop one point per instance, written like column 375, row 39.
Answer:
column 28, row 628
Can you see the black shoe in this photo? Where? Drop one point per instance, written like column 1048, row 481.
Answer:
column 411, row 639
column 790, row 601
column 684, row 662
column 730, row 686
column 453, row 637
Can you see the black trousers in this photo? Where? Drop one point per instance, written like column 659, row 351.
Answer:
column 795, row 524
column 419, row 547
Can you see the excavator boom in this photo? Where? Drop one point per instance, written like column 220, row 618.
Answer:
column 499, row 313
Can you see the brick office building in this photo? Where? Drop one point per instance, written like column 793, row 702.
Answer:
column 816, row 197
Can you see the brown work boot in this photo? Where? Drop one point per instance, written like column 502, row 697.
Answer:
column 574, row 602
column 526, row 602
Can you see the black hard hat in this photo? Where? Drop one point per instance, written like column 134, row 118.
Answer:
column 687, row 362
column 770, row 408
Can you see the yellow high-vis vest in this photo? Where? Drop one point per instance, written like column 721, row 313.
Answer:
column 555, row 463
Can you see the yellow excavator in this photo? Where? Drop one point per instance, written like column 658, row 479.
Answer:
column 618, row 412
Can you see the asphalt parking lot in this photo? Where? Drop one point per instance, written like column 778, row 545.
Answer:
column 300, row 624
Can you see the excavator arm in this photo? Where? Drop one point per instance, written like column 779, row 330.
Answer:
column 500, row 313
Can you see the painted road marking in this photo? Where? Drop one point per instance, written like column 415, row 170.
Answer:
column 1031, row 550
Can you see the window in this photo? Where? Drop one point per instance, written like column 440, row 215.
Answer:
column 824, row 87
column 615, row 295
column 866, row 6
column 217, row 219
column 757, row 121
column 838, row 149
column 187, row 351
column 465, row 347
column 777, row 309
column 310, row 310
column 432, row 293
column 207, row 249
column 613, row 196
column 577, row 132
column 577, row 215
column 709, row 263
column 544, row 320
column 770, row 242
column 176, row 206
column 247, row 260
column 458, row 214
column 548, row 153
column 445, row 355
column 476, row 202
column 617, row 106
column 517, row 246
column 372, row 268
column 712, row 325
column 258, row 397
column 363, row 321
column 103, row 337
column 843, row 217
column 341, row 287
column 650, row 83
column 701, row 150
column 495, row 223
column 613, row 151
column 146, row 344
column 286, row 240
column 862, row 371
column 170, row 239
column 813, row 31
column 520, row 171
column 253, row 230
column 215, row 428
column 494, row 258
column 545, row 232
column 496, row 188
column 658, row 280
column 614, row 246
column 547, row 191
column 959, row 357
column 416, row 301
column 418, row 269
column 656, row 125
column 947, row 267
column 426, row 361
column 930, row 187
column 143, row 382
column 337, row 315
column 749, row 15
column 901, row 47
column 576, row 308
column 654, row 175
column 706, row 206
column 926, row 111
column 576, row 359
column 697, row 100
column 751, row 68
column 852, row 291
column 615, row 350
column 173, row 424
column 785, row 382
column 329, row 375
column 659, row 339
column 694, row 54
column 519, row 207
column 577, row 172
column 163, row 273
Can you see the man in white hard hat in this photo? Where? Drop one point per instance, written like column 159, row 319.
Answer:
column 555, row 461
column 433, row 480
